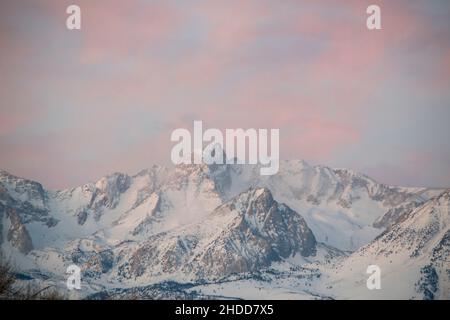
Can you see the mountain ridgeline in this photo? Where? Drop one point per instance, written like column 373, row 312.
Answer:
column 227, row 224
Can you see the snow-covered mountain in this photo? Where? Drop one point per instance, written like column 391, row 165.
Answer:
column 213, row 223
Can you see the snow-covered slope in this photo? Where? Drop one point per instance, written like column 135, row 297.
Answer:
column 413, row 256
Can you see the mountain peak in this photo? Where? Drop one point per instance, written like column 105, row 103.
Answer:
column 260, row 214
column 247, row 233
column 257, row 198
column 116, row 181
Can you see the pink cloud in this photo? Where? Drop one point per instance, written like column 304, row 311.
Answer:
column 131, row 63
column 123, row 28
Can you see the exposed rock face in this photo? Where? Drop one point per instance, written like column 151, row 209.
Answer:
column 107, row 193
column 28, row 198
column 18, row 234
column 23, row 189
column 82, row 215
column 282, row 228
column 247, row 233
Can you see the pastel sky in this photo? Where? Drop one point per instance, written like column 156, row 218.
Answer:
column 76, row 105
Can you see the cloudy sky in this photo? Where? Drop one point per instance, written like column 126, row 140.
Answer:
column 76, row 105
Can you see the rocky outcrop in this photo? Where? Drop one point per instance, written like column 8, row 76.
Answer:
column 18, row 234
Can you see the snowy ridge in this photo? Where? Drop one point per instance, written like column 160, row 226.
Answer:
column 413, row 255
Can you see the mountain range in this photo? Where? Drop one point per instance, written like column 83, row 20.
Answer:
column 225, row 231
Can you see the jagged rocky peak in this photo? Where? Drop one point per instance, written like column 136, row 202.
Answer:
column 97, row 197
column 114, row 183
column 255, row 199
column 108, row 190
column 27, row 199
column 254, row 203
column 23, row 189
column 279, row 224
